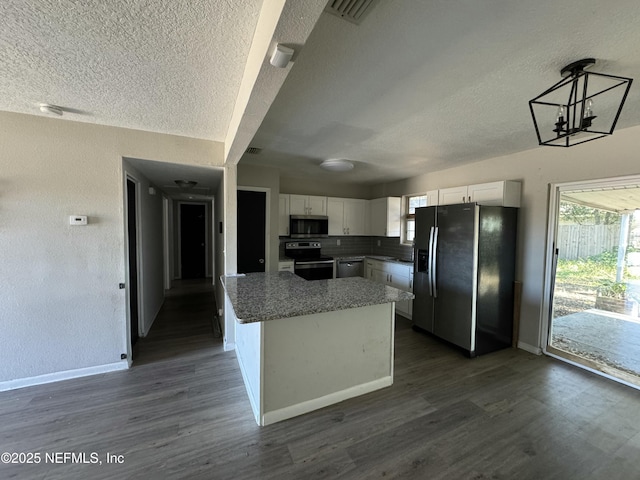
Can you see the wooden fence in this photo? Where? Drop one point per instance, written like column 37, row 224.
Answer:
column 580, row 241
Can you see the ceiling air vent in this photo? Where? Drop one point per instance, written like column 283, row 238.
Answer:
column 351, row 10
column 253, row 150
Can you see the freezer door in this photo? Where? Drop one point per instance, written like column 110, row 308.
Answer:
column 422, row 287
column 455, row 274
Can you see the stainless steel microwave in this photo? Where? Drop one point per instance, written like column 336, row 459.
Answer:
column 308, row 226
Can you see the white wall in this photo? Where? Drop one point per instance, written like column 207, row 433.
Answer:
column 150, row 249
column 536, row 169
column 303, row 186
column 218, row 245
column 60, row 305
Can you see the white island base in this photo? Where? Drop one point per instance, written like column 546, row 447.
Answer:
column 299, row 364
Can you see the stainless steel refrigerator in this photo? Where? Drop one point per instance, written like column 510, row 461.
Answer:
column 464, row 274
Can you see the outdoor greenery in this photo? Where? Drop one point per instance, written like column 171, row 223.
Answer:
column 588, row 272
column 596, row 273
column 581, row 215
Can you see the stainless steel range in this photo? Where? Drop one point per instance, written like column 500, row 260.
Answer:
column 309, row 263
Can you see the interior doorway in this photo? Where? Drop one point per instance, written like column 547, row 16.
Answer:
column 193, row 240
column 132, row 249
column 252, row 230
column 595, row 277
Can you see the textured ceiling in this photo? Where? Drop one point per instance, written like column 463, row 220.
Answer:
column 163, row 175
column 157, row 65
column 418, row 86
column 423, row 86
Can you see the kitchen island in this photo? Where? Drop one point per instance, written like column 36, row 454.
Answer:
column 302, row 345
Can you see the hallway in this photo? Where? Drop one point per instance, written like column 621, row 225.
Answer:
column 184, row 327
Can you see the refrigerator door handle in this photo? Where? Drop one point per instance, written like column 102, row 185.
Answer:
column 430, row 262
column 434, row 263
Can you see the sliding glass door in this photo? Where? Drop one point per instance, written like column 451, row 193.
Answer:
column 595, row 294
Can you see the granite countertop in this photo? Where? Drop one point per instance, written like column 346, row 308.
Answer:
column 257, row 297
column 383, row 258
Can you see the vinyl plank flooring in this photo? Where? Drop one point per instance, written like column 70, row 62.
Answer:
column 182, row 412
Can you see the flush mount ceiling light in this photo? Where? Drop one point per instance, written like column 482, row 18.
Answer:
column 337, row 165
column 186, row 184
column 52, row 109
column 581, row 107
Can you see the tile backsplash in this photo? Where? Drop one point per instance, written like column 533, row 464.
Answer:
column 389, row 246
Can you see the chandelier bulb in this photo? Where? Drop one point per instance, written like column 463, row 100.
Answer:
column 560, row 114
column 588, row 111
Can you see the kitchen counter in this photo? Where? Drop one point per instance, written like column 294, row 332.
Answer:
column 258, row 297
column 385, row 258
column 302, row 345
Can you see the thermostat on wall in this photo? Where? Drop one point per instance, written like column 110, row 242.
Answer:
column 78, row 220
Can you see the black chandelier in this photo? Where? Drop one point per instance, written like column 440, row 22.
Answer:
column 581, row 107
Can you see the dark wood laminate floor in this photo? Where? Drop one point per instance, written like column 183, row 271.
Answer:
column 182, row 413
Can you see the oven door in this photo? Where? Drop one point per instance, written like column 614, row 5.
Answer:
column 315, row 269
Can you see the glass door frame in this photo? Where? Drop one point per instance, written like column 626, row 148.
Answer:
column 555, row 190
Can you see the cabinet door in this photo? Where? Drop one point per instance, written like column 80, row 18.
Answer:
column 298, row 205
column 335, row 211
column 385, row 217
column 368, row 269
column 432, row 198
column 379, row 276
column 452, row 196
column 487, row 193
column 503, row 193
column 317, row 205
column 355, row 216
column 283, row 215
column 378, row 214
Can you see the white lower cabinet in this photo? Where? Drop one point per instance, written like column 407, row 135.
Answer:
column 286, row 266
column 395, row 275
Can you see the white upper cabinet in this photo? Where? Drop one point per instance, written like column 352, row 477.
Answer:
column 283, row 215
column 503, row 193
column 307, row 205
column 347, row 216
column 432, row 198
column 356, row 216
column 385, row 217
column 451, row 196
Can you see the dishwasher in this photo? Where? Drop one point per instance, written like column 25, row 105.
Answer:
column 350, row 267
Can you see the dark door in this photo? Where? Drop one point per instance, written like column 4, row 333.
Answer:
column 192, row 240
column 133, row 259
column 251, row 231
column 455, row 274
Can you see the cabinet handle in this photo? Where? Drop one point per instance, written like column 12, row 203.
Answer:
column 463, row 201
column 469, row 198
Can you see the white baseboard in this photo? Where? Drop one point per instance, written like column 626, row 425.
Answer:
column 64, row 375
column 529, row 348
column 305, row 407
